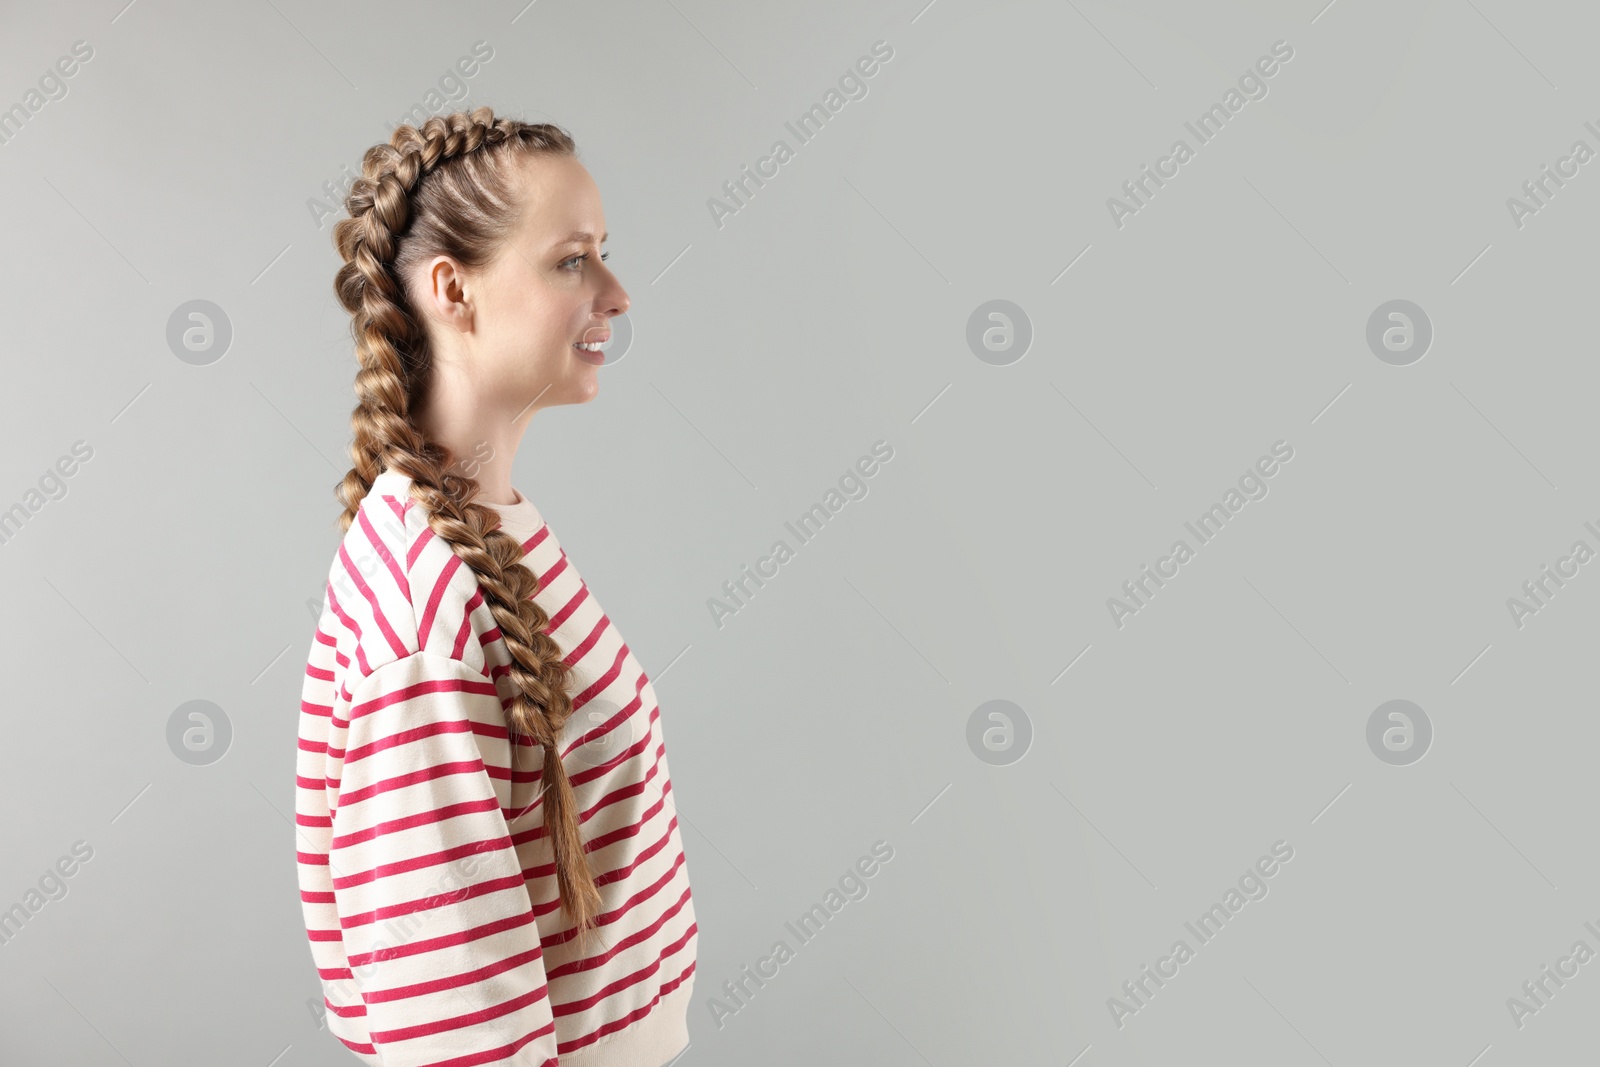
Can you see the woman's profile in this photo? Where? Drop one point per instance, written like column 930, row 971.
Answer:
column 489, row 857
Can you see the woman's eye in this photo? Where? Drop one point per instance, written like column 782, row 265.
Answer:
column 579, row 259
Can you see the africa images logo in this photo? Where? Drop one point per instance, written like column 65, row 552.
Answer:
column 1252, row 486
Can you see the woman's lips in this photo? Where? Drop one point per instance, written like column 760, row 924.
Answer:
column 598, row 358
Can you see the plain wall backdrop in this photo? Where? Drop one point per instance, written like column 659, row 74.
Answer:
column 1071, row 364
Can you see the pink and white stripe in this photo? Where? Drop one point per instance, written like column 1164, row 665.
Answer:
column 426, row 877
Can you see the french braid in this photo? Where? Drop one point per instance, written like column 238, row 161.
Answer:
column 447, row 187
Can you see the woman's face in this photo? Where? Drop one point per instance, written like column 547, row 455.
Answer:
column 547, row 290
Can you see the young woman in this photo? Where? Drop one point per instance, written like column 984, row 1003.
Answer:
column 489, row 855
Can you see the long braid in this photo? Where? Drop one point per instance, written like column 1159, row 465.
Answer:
column 445, row 187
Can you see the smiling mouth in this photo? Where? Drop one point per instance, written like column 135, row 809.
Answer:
column 592, row 346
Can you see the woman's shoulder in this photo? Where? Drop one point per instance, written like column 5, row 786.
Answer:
column 396, row 588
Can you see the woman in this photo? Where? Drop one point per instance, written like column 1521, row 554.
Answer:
column 489, row 856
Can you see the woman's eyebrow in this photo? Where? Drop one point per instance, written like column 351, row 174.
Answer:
column 584, row 237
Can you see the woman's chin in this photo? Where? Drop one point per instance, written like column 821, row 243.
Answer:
column 586, row 385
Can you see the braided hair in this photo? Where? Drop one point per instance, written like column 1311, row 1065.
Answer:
column 449, row 188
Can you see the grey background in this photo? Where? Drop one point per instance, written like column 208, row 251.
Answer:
column 770, row 354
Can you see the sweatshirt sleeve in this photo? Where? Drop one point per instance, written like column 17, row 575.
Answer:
column 432, row 905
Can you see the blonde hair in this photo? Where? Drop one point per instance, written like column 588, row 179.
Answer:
column 449, row 187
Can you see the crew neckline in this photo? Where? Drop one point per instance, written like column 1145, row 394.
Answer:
column 521, row 520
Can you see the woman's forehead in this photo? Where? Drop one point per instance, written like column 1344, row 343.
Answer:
column 562, row 203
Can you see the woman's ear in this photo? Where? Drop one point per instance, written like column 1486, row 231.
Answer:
column 444, row 293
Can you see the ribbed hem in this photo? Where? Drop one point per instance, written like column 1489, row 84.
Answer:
column 651, row 1042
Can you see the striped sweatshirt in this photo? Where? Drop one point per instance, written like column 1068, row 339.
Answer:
column 426, row 877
